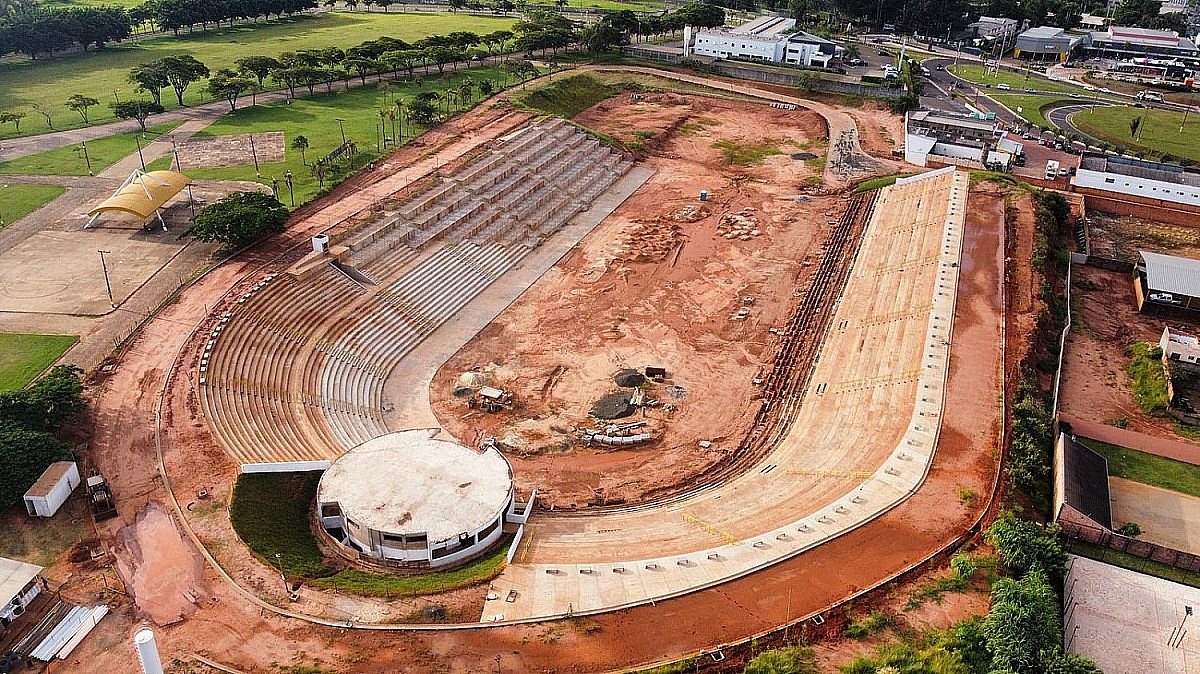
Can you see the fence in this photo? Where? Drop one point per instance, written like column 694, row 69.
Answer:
column 793, row 80
column 1097, row 535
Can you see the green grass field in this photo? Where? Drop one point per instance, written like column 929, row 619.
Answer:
column 69, row 160
column 568, row 96
column 103, row 74
column 23, row 357
column 1160, row 135
column 270, row 512
column 1033, row 107
column 1148, row 469
column 313, row 118
column 376, row 585
column 17, row 201
column 1147, row 379
column 978, row 74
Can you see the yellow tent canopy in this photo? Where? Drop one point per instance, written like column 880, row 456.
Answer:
column 143, row 194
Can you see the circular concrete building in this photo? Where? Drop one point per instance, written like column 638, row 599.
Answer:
column 406, row 499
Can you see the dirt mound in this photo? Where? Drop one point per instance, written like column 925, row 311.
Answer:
column 615, row 405
column 630, row 378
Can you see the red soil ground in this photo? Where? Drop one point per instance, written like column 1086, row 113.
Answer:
column 657, row 283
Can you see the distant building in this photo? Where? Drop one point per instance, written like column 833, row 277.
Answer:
column 936, row 138
column 1142, row 182
column 1093, row 22
column 1045, row 43
column 993, row 28
column 1121, row 42
column 1166, row 282
column 768, row 39
column 1181, row 359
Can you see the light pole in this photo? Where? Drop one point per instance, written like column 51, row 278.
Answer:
column 341, row 127
column 254, row 154
column 282, row 575
column 86, row 158
column 291, row 193
column 107, row 285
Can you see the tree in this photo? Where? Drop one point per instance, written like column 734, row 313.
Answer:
column 24, row 456
column 149, row 78
column 1134, row 125
column 239, row 219
column 600, row 37
column 809, row 82
column 422, row 110
column 45, row 113
column 80, row 103
column 301, row 143
column 181, row 71
column 1025, row 547
column 1022, row 628
column 258, row 66
column 227, row 84
column 138, row 110
column 47, row 405
column 7, row 116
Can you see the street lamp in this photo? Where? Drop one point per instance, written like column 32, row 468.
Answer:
column 291, row 193
column 282, row 575
column 87, row 159
column 341, row 122
column 107, row 285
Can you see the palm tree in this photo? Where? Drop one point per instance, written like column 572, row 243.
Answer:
column 301, row 143
column 399, row 103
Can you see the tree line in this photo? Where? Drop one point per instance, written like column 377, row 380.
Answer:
column 41, row 31
column 29, row 421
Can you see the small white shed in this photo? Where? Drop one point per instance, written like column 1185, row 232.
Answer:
column 51, row 490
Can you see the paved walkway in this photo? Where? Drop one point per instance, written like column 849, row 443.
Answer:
column 1171, row 449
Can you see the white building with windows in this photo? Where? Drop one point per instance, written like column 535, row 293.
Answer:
column 768, row 39
column 408, row 500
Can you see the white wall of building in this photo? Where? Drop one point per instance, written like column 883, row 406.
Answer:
column 1142, row 187
column 722, row 45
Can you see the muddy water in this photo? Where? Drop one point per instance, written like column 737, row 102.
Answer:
column 160, row 568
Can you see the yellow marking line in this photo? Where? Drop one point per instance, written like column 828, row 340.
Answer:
column 709, row 527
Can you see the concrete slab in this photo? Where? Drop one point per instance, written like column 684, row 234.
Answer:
column 60, row 272
column 1166, row 517
column 1128, row 622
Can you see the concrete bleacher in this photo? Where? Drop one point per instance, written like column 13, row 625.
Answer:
column 297, row 370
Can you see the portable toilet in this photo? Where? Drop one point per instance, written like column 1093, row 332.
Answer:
column 703, row 195
column 51, row 490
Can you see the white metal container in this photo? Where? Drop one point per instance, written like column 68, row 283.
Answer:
column 51, row 490
column 147, row 651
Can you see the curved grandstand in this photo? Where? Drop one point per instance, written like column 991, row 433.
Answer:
column 294, row 373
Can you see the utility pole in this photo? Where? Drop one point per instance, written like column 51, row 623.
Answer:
column 141, row 157
column 107, row 285
column 254, row 153
column 87, row 159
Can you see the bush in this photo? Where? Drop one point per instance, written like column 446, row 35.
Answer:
column 1130, row 529
column 239, row 219
column 1147, row 379
column 1026, row 547
column 790, row 660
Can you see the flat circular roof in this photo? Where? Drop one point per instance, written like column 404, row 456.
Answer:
column 410, row 483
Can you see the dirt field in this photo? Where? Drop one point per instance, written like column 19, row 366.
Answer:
column 1095, row 385
column 1166, row 517
column 225, row 623
column 1121, row 237
column 657, row 283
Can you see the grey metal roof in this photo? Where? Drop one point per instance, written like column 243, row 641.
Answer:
column 1043, row 32
column 1170, row 274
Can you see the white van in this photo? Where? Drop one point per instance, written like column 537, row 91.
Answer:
column 1149, row 96
column 1052, row 170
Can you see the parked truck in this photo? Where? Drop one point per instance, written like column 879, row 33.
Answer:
column 101, row 497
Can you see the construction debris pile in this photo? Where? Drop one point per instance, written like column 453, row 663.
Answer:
column 742, row 225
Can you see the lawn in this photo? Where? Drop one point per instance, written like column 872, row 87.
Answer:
column 271, row 512
column 17, row 201
column 313, row 118
column 1147, row 379
column 23, row 357
column 978, row 74
column 377, row 585
column 1033, row 107
column 1161, row 133
column 1148, row 469
column 568, row 96
column 879, row 183
column 103, row 74
column 69, row 160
